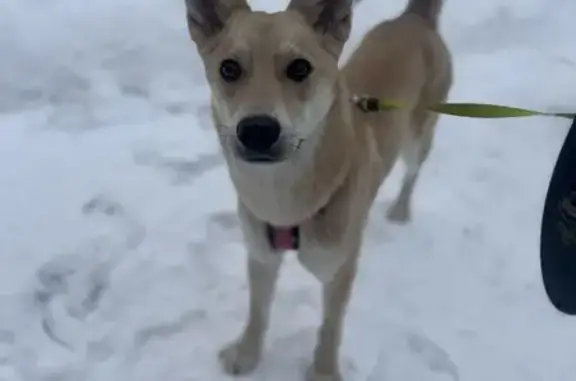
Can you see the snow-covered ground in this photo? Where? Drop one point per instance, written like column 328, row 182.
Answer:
column 120, row 255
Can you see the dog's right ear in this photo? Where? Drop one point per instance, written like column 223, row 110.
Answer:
column 207, row 18
column 332, row 19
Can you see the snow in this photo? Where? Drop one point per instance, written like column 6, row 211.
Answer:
column 121, row 254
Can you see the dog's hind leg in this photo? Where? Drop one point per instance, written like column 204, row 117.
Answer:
column 414, row 153
column 243, row 355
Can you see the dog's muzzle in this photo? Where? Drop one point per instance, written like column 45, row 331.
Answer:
column 259, row 139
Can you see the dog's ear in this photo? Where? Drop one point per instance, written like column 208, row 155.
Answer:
column 206, row 18
column 330, row 18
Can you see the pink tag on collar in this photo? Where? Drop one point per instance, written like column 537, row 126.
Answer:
column 284, row 238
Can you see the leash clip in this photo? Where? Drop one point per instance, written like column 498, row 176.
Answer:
column 366, row 103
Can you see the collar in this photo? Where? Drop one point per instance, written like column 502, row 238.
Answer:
column 283, row 238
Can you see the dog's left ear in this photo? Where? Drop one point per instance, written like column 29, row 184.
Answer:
column 207, row 18
column 329, row 18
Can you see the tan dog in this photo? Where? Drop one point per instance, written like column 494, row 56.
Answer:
column 306, row 162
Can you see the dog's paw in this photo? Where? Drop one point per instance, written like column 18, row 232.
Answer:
column 239, row 358
column 313, row 375
column 399, row 213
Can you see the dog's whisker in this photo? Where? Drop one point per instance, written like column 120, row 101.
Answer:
column 296, row 144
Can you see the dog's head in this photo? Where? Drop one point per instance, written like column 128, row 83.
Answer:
column 273, row 76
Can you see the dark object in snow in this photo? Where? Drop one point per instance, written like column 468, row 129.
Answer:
column 558, row 231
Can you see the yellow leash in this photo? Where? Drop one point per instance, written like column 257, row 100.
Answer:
column 469, row 110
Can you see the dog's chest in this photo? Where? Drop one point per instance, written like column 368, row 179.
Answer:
column 322, row 244
column 277, row 199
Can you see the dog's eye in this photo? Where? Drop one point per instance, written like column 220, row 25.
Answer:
column 299, row 69
column 230, row 70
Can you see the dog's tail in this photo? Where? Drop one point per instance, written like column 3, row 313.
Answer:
column 429, row 10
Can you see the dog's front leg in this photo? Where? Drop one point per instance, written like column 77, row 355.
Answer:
column 336, row 269
column 243, row 355
column 335, row 299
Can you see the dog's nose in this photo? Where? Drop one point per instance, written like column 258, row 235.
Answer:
column 258, row 133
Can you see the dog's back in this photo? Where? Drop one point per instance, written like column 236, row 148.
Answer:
column 403, row 60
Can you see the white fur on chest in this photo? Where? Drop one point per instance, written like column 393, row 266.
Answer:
column 269, row 193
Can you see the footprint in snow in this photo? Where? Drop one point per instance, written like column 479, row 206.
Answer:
column 133, row 231
column 182, row 171
column 413, row 357
column 70, row 287
column 226, row 220
column 7, row 339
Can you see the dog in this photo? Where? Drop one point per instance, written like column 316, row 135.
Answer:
column 305, row 161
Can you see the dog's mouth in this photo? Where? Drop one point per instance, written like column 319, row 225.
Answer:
column 278, row 153
column 284, row 149
column 271, row 156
